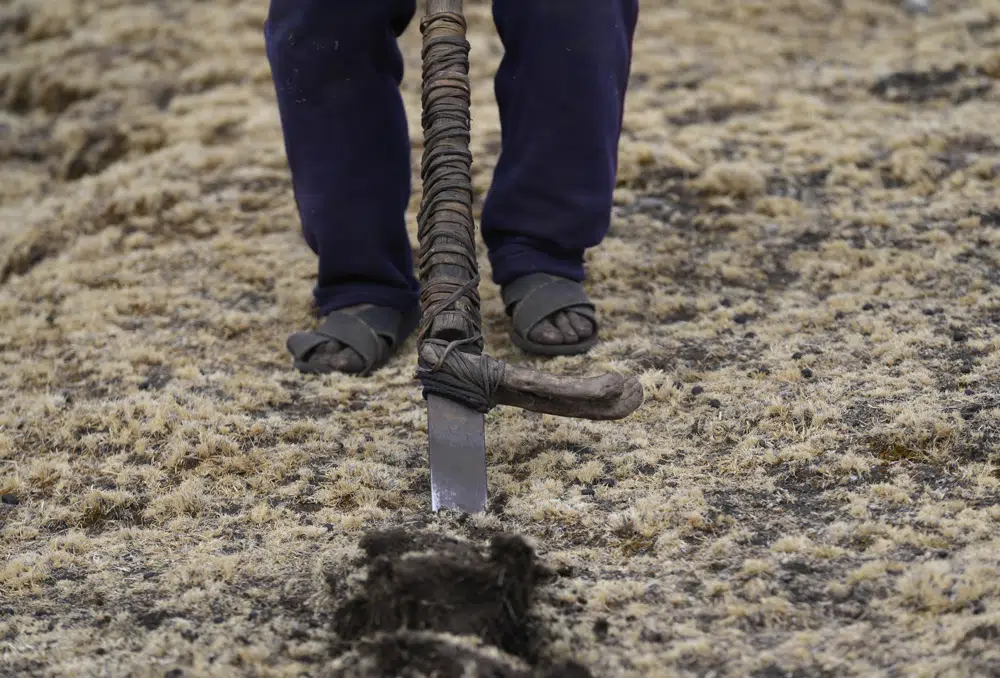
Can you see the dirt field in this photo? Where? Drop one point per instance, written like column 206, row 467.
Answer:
column 803, row 269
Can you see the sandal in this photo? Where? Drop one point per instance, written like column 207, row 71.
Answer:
column 536, row 297
column 375, row 333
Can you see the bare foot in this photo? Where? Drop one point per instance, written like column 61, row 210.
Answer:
column 563, row 327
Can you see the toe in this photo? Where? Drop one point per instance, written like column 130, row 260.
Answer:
column 582, row 325
column 322, row 359
column 569, row 334
column 348, row 361
column 335, row 357
column 546, row 333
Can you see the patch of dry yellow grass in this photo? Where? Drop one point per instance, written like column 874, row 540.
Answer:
column 803, row 269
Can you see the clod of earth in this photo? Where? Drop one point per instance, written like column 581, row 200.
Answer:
column 450, row 588
column 423, row 590
column 418, row 655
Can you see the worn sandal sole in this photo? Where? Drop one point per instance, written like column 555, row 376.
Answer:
column 536, row 297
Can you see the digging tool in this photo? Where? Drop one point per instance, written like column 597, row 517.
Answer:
column 460, row 383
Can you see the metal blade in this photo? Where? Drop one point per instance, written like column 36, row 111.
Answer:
column 457, row 437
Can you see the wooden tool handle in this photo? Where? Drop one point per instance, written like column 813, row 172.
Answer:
column 447, row 226
column 440, row 6
column 604, row 397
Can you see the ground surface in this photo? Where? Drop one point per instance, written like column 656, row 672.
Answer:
column 803, row 268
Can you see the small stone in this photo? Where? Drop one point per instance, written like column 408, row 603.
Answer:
column 929, row 312
column 219, row 620
column 697, row 390
column 741, row 319
column 10, row 500
column 839, row 315
column 959, row 335
column 764, row 370
column 797, row 356
column 807, row 373
column 601, row 627
column 715, row 403
column 587, row 492
column 726, row 303
column 868, row 307
column 750, row 335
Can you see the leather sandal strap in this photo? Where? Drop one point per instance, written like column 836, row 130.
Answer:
column 364, row 332
column 539, row 295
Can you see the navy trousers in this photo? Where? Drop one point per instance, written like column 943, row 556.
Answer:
column 560, row 89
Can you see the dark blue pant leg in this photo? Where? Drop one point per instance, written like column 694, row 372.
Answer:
column 561, row 91
column 336, row 69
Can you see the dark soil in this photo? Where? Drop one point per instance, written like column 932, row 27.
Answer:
column 415, row 655
column 419, row 585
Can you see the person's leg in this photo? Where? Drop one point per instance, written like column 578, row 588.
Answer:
column 337, row 68
column 561, row 93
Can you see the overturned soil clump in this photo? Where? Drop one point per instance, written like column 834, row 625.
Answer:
column 416, row 654
column 427, row 583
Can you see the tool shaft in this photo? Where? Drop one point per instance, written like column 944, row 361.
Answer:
column 449, row 272
column 441, row 6
column 447, row 229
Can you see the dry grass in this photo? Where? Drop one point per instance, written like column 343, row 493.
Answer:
column 803, row 268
